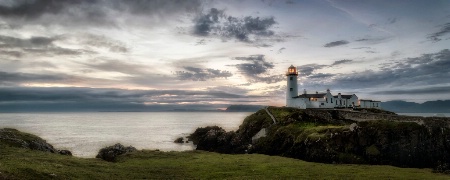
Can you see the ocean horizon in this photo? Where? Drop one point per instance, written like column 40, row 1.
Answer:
column 85, row 133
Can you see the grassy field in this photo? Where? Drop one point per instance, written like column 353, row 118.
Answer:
column 19, row 163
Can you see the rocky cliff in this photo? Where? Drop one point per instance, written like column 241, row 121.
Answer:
column 15, row 138
column 336, row 136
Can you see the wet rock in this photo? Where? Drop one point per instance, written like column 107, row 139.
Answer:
column 110, row 153
column 65, row 152
column 179, row 140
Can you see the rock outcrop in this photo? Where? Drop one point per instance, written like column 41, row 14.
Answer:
column 15, row 138
column 329, row 136
column 110, row 153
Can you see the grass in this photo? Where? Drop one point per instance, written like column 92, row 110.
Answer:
column 18, row 163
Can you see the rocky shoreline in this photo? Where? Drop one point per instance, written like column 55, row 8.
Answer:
column 330, row 136
column 16, row 138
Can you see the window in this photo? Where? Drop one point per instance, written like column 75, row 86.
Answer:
column 326, row 99
column 291, row 89
column 331, row 100
column 291, row 78
column 340, row 102
column 321, row 104
column 336, row 102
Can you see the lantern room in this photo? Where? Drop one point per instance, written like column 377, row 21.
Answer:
column 292, row 71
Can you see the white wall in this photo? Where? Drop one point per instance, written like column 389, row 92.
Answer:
column 299, row 103
column 291, row 83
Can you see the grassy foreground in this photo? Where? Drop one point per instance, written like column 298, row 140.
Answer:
column 19, row 163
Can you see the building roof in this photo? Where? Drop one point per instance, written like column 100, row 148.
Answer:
column 344, row 96
column 369, row 100
column 311, row 96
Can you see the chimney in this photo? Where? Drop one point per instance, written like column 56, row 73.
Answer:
column 304, row 91
column 317, row 92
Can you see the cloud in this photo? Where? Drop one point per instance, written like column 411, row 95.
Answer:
column 17, row 78
column 256, row 69
column 308, row 69
column 257, row 65
column 93, row 12
column 16, row 54
column 392, row 20
column 36, row 45
column 425, row 70
column 320, row 76
column 247, row 29
column 96, row 41
column 281, row 50
column 418, row 91
column 199, row 74
column 437, row 36
column 373, row 40
column 336, row 43
column 107, row 99
column 345, row 61
column 33, row 42
column 110, row 65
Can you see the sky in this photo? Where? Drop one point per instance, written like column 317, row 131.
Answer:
column 209, row 54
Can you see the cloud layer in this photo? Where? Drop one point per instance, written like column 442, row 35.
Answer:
column 247, row 29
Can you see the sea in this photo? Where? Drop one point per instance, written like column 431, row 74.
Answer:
column 84, row 134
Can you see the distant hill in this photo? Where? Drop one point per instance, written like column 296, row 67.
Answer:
column 244, row 108
column 412, row 107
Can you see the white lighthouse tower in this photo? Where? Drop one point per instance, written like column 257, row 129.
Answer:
column 292, row 89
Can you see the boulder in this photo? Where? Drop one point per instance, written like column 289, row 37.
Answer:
column 179, row 140
column 110, row 153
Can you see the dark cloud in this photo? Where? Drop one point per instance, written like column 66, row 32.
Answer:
column 281, row 50
column 418, row 91
column 9, row 77
column 362, row 48
column 117, row 66
column 97, row 41
column 94, row 12
column 336, row 43
column 16, row 54
column 308, row 69
column 216, row 23
column 425, row 70
column 374, row 40
column 437, row 36
column 36, row 45
column 345, row 61
column 102, row 99
column 33, row 42
column 392, row 20
column 256, row 69
column 33, row 9
column 320, row 76
column 257, row 65
column 17, row 78
column 199, row 74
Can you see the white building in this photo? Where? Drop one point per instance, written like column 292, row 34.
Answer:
column 365, row 103
column 320, row 100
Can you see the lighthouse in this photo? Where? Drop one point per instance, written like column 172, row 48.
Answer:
column 292, row 89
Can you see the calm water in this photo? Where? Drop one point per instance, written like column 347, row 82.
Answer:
column 426, row 114
column 85, row 133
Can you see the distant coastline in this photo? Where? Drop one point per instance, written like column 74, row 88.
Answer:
column 397, row 106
